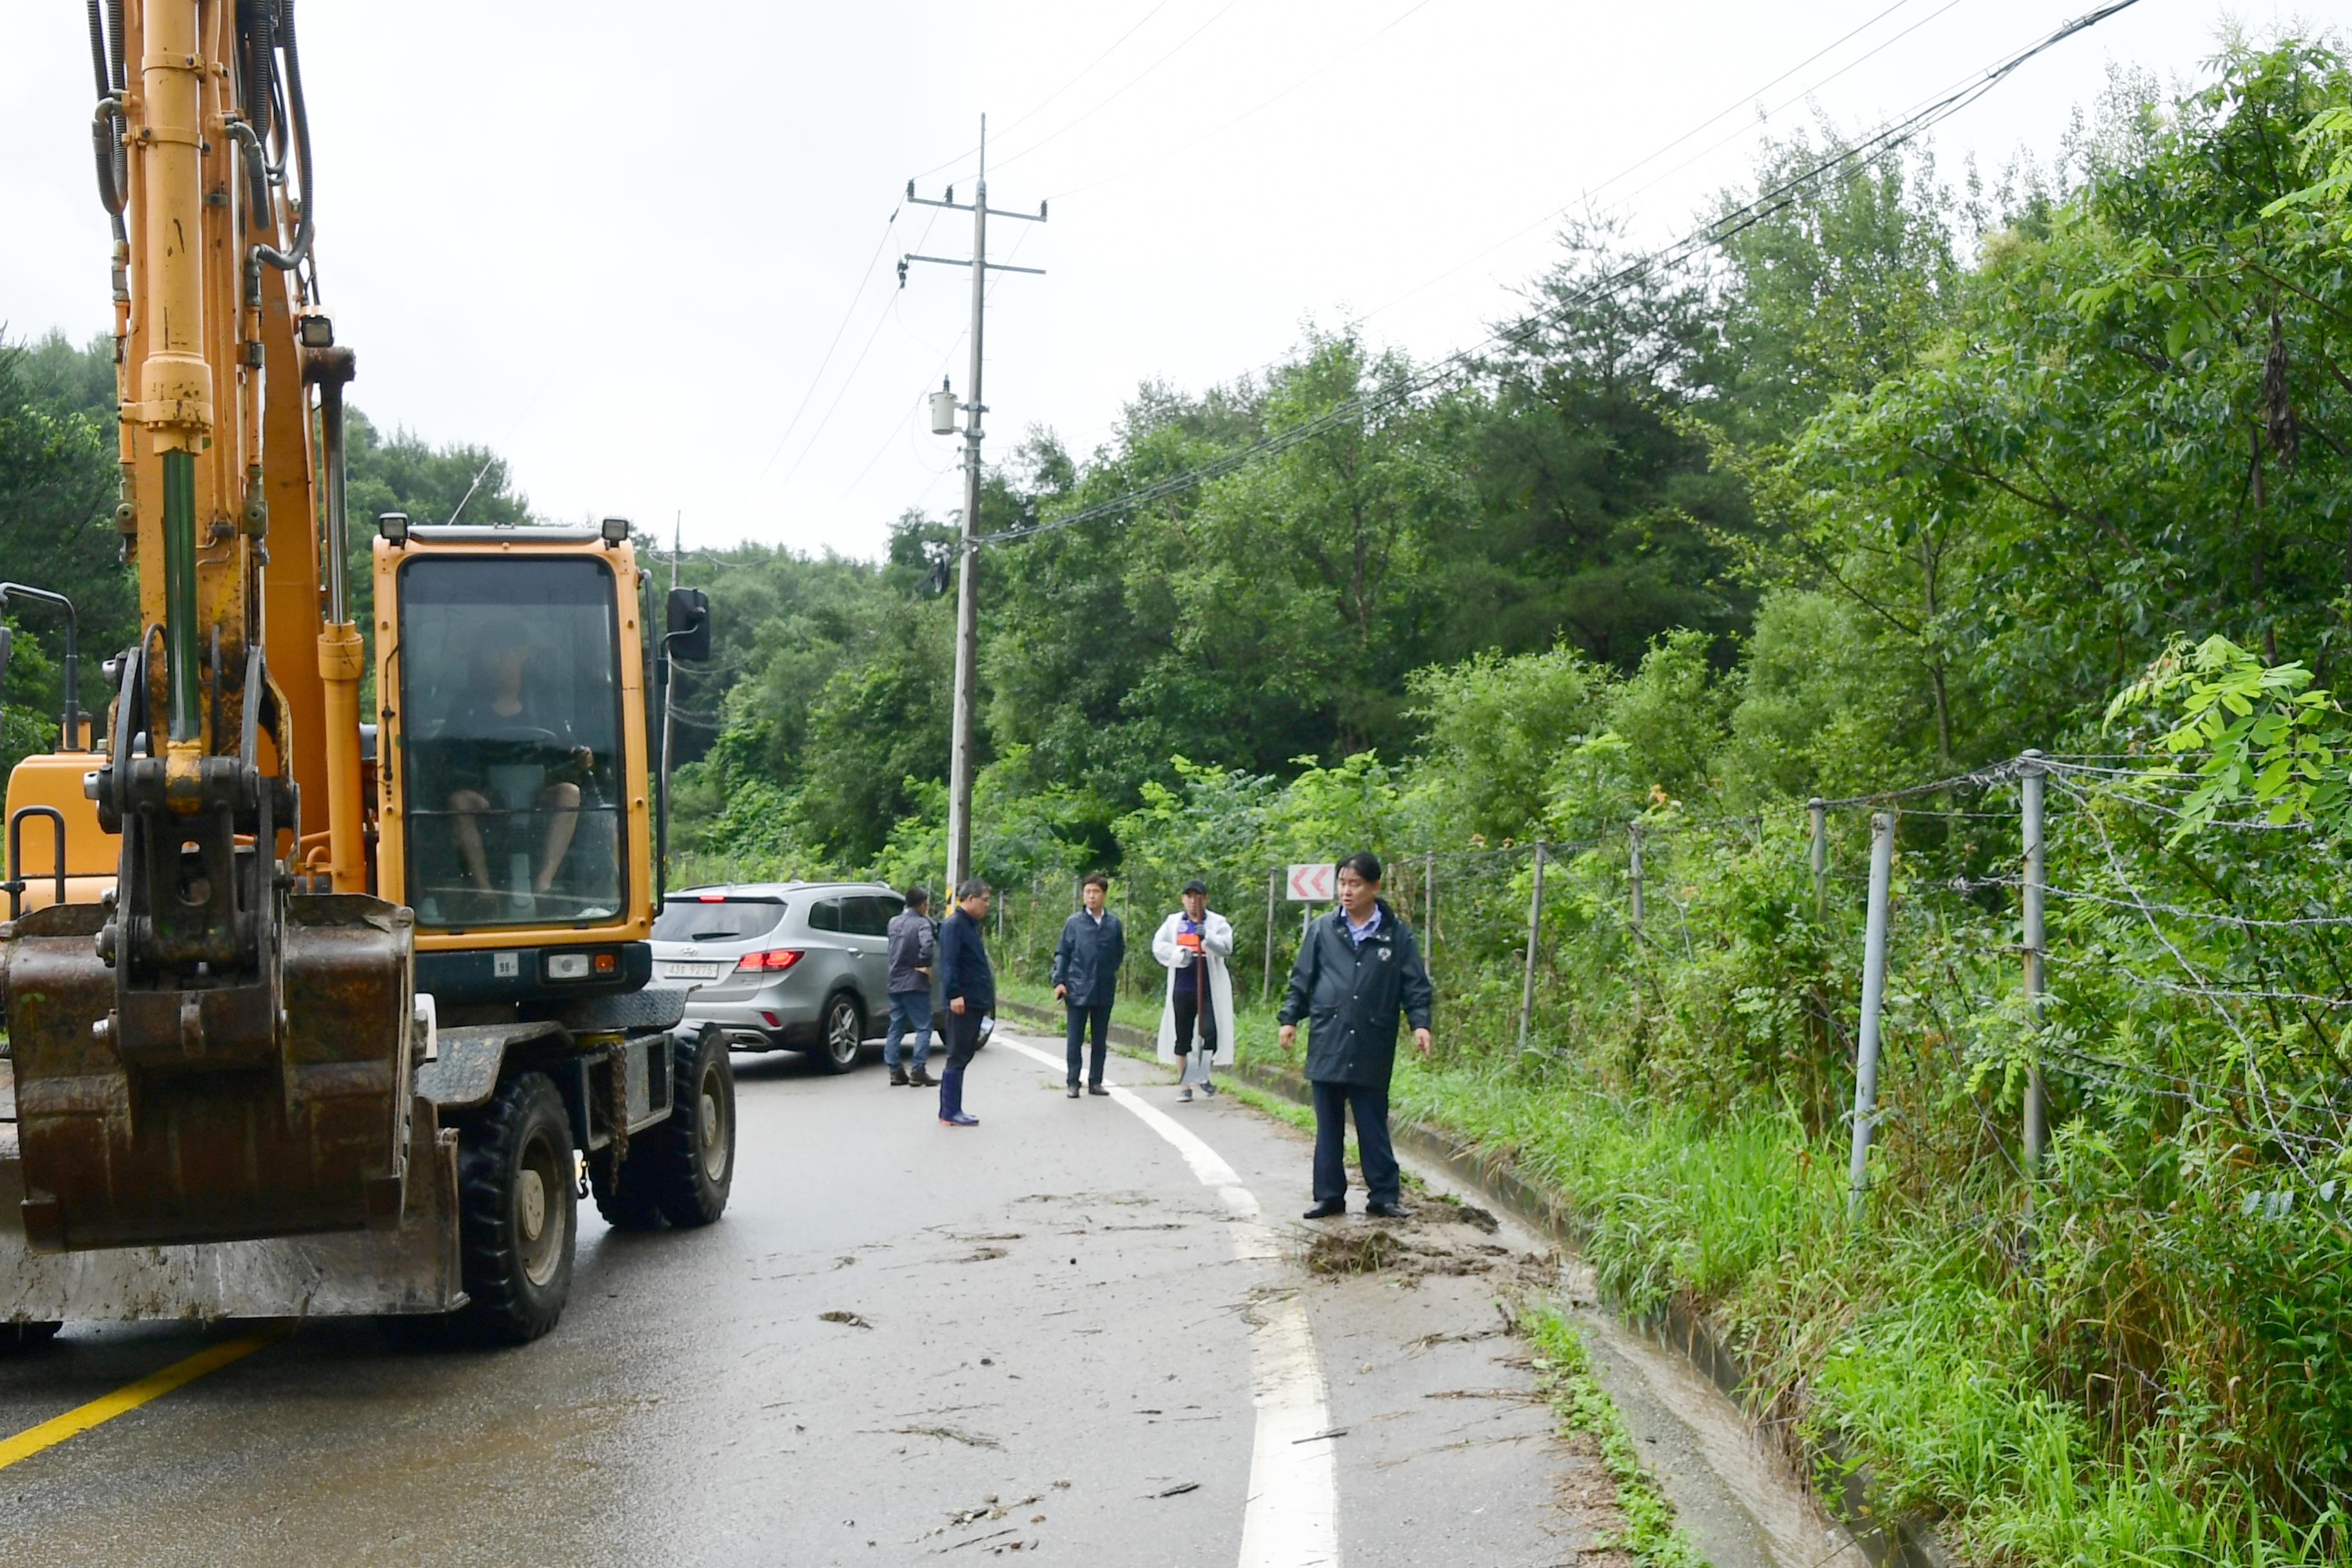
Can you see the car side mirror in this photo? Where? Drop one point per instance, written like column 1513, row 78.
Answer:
column 689, row 624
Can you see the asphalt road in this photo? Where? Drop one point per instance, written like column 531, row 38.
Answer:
column 1083, row 1332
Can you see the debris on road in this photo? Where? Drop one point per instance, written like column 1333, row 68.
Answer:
column 1178, row 1490
column 852, row 1318
column 953, row 1435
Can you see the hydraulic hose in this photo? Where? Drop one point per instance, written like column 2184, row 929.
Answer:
column 106, row 126
column 299, row 115
column 258, row 29
column 256, row 172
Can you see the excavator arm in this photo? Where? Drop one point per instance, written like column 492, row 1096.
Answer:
column 221, row 1050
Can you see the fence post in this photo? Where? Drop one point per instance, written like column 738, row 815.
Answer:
column 1633, row 840
column 1273, row 891
column 1429, row 899
column 1874, row 993
column 1535, row 938
column 2030, row 783
column 1819, row 810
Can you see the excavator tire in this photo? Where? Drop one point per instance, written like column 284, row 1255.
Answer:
column 518, row 1211
column 627, row 1203
column 686, row 1163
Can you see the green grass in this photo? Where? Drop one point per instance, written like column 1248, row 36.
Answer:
column 1891, row 1333
column 1565, row 1374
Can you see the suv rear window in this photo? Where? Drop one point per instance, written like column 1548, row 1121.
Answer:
column 717, row 920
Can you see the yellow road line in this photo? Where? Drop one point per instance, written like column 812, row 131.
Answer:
column 106, row 1407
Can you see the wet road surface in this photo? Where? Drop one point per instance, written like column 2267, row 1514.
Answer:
column 1048, row 1336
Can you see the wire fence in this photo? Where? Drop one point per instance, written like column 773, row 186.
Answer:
column 2024, row 916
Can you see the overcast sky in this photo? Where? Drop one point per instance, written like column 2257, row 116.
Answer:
column 616, row 242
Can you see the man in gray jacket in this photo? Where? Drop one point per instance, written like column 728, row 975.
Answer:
column 1358, row 969
column 913, row 942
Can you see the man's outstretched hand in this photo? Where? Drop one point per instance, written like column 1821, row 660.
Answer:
column 1288, row 1036
column 1421, row 1041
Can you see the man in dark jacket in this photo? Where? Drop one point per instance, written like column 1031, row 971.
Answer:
column 969, row 984
column 1086, row 976
column 1358, row 969
column 912, row 943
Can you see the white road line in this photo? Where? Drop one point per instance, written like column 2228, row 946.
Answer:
column 1292, row 1518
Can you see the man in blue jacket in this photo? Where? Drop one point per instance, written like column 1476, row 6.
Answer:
column 1086, row 976
column 969, row 984
column 1358, row 969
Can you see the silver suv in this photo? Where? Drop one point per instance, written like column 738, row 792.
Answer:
column 783, row 965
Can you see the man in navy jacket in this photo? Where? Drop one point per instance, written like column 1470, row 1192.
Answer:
column 969, row 983
column 1086, row 976
column 1358, row 969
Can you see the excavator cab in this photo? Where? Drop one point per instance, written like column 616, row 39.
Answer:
column 510, row 667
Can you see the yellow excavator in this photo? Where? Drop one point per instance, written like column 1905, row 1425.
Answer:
column 307, row 1014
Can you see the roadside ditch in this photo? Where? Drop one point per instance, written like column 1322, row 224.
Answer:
column 1652, row 1357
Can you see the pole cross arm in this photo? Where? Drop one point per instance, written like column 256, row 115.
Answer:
column 954, row 205
column 966, row 261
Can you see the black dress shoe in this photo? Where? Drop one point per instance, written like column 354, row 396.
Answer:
column 1331, row 1210
column 1074, row 1092
column 1096, row 1089
column 1388, row 1211
column 898, row 1078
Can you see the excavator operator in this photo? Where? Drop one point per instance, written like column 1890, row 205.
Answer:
column 506, row 712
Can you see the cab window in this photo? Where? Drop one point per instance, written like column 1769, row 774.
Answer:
column 510, row 724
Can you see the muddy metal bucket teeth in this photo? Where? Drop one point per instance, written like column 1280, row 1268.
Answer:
column 192, row 1115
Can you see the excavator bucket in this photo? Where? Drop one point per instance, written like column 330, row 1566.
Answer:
column 211, row 1121
column 204, row 1057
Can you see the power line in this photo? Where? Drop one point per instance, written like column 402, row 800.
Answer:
column 1707, row 235
column 1327, row 66
column 1120, row 91
column 1057, row 92
column 850, row 378
column 958, row 342
column 864, row 277
column 1763, row 118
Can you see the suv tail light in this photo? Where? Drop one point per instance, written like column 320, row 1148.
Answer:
column 774, row 959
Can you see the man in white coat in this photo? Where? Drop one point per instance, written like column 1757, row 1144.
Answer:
column 1194, row 944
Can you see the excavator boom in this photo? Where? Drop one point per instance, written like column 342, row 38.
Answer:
column 221, row 1049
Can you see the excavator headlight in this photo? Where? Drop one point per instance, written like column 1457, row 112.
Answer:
column 615, row 530
column 567, row 966
column 318, row 332
column 392, row 526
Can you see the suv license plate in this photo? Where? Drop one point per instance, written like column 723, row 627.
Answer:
column 691, row 971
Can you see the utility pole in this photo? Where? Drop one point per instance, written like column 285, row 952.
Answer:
column 943, row 411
